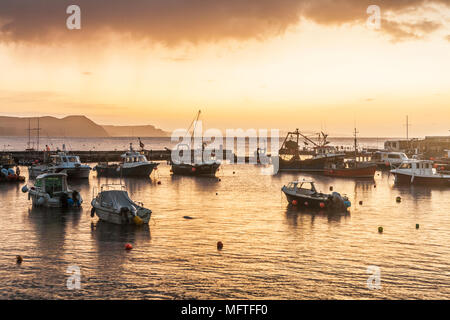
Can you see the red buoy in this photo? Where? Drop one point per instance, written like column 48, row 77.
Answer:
column 294, row 202
column 193, row 169
column 306, row 203
column 219, row 245
column 322, row 205
column 128, row 246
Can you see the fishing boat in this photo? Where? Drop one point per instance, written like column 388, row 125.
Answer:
column 304, row 194
column 420, row 172
column 351, row 168
column 134, row 164
column 51, row 190
column 62, row 162
column 191, row 162
column 9, row 175
column 113, row 204
column 320, row 154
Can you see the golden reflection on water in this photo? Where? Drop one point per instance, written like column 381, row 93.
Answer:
column 271, row 250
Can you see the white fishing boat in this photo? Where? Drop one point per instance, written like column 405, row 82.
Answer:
column 51, row 190
column 114, row 205
column 62, row 163
column 420, row 172
column 388, row 159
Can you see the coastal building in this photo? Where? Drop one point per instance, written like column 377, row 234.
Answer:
column 430, row 145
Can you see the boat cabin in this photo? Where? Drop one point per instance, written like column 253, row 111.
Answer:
column 63, row 159
column 51, row 183
column 133, row 157
column 422, row 167
column 302, row 187
column 390, row 156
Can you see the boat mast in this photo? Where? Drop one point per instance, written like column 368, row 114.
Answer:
column 356, row 143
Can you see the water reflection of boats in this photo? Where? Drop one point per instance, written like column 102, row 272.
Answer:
column 321, row 153
column 106, row 233
column 293, row 214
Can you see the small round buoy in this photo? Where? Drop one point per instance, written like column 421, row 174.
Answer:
column 217, row 193
column 360, row 203
column 219, row 179
column 219, row 245
column 322, row 205
column 193, row 169
column 19, row 259
column 380, row 229
column 234, row 172
column 159, row 182
column 331, row 188
column 306, row 203
column 417, row 226
column 128, row 246
column 398, row 199
column 294, row 202
column 374, row 185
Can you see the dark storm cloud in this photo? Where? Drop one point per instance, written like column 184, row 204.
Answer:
column 174, row 21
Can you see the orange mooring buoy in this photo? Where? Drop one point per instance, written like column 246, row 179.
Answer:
column 294, row 202
column 322, row 205
column 128, row 246
column 19, row 259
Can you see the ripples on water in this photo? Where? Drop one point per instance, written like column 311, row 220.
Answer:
column 270, row 251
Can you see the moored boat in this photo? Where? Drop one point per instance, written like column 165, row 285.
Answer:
column 9, row 175
column 51, row 190
column 61, row 163
column 191, row 162
column 350, row 169
column 420, row 172
column 134, row 164
column 290, row 158
column 113, row 204
column 304, row 194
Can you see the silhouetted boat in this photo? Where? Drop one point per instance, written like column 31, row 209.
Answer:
column 134, row 164
column 420, row 172
column 322, row 153
column 304, row 194
column 191, row 162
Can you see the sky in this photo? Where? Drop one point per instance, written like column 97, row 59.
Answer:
column 276, row 64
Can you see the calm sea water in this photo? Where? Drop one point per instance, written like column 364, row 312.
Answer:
column 271, row 251
column 123, row 143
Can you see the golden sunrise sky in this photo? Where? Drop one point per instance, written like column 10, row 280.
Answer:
column 286, row 64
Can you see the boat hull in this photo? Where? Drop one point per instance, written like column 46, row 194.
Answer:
column 116, row 218
column 365, row 172
column 402, row 178
column 76, row 173
column 205, row 169
column 307, row 165
column 143, row 170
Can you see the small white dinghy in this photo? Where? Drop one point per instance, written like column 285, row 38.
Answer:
column 51, row 190
column 114, row 205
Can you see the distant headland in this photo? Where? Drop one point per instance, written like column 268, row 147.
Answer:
column 72, row 126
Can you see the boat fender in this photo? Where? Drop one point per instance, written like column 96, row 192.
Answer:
column 347, row 204
column 4, row 172
column 11, row 172
column 137, row 220
column 25, row 189
column 92, row 212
